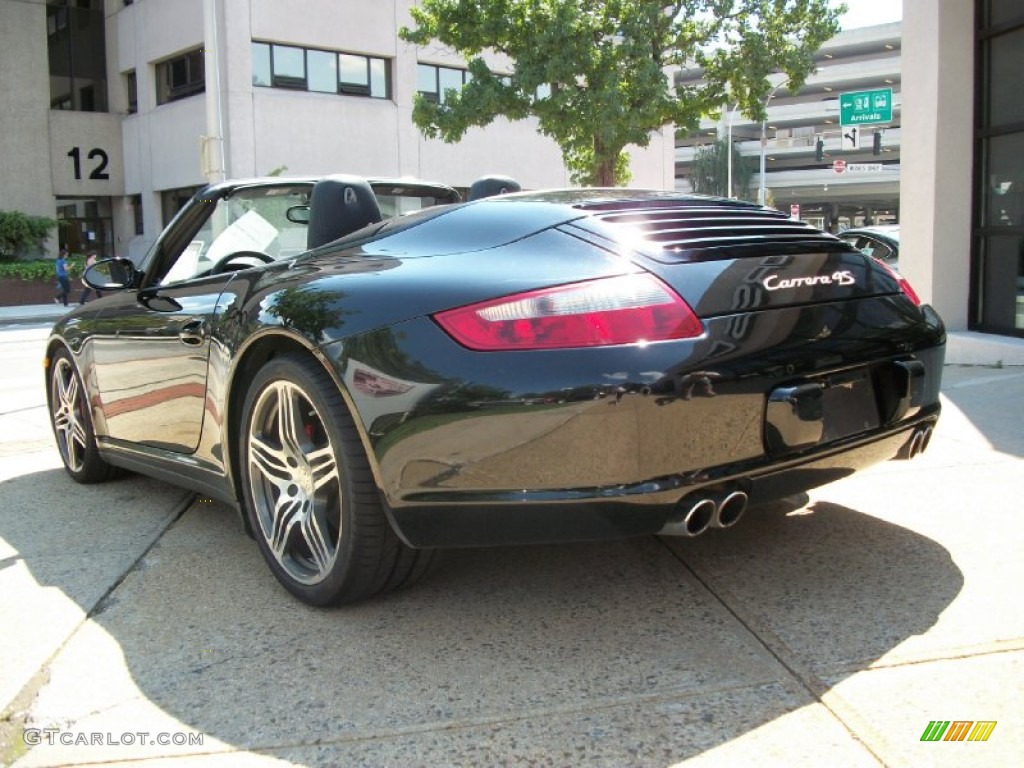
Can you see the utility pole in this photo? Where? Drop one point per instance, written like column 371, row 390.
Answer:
column 761, row 191
column 212, row 144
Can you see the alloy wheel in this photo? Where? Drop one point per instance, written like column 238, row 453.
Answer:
column 68, row 409
column 294, row 482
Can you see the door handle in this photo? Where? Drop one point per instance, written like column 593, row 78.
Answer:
column 193, row 333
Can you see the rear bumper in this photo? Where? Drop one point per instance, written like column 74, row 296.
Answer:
column 563, row 445
column 457, row 519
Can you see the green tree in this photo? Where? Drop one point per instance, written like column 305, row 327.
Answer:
column 594, row 74
column 709, row 174
column 21, row 232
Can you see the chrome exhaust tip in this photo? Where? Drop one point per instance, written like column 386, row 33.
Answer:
column 730, row 509
column 915, row 444
column 918, row 442
column 697, row 516
column 926, row 438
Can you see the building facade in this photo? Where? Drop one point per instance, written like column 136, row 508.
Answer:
column 104, row 106
column 962, row 197
column 804, row 139
column 106, row 103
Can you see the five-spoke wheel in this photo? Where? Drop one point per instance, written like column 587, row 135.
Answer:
column 294, row 481
column 72, row 422
column 309, row 492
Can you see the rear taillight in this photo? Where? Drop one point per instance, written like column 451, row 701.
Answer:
column 905, row 286
column 628, row 309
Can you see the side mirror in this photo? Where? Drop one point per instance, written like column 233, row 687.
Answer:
column 111, row 275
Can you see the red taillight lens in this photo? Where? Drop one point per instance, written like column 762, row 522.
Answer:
column 908, row 289
column 616, row 310
column 905, row 286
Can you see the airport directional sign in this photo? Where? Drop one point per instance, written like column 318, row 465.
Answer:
column 865, row 107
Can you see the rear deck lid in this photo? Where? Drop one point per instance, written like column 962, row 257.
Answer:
column 726, row 256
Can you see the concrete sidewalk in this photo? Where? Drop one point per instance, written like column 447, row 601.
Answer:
column 33, row 313
column 144, row 630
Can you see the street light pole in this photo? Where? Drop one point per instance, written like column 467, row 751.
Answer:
column 764, row 140
column 212, row 144
column 761, row 192
column 732, row 114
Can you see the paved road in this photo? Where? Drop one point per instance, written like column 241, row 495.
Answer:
column 831, row 632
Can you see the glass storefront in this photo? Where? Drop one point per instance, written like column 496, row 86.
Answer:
column 85, row 224
column 997, row 290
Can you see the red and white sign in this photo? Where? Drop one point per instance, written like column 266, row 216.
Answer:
column 839, row 166
column 794, row 211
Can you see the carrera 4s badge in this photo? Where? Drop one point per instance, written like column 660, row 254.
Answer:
column 775, row 283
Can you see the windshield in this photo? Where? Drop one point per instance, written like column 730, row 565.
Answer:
column 253, row 219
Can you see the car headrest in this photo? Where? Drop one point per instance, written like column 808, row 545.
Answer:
column 339, row 205
column 489, row 186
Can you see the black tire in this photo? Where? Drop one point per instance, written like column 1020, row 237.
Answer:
column 310, row 495
column 71, row 421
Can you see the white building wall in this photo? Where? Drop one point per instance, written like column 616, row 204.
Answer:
column 936, row 190
column 158, row 147
column 24, row 116
column 160, row 143
column 237, row 93
column 315, row 133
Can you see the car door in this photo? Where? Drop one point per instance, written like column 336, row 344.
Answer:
column 150, row 352
column 150, row 346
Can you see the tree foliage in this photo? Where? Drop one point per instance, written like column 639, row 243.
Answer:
column 21, row 232
column 595, row 74
column 709, row 173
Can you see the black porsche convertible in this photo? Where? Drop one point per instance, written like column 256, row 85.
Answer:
column 369, row 372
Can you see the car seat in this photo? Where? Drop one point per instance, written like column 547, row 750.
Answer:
column 338, row 206
column 489, row 186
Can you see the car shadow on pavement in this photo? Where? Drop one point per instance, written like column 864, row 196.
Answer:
column 990, row 399
column 636, row 652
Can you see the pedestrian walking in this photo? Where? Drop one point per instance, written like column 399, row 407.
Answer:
column 90, row 259
column 63, row 280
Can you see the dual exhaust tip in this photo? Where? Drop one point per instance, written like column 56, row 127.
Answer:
column 697, row 514
column 918, row 442
column 694, row 515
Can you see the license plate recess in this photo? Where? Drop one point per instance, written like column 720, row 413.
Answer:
column 820, row 410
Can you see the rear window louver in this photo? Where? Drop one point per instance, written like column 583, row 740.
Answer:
column 684, row 228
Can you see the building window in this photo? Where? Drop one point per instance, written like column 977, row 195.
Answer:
column 86, row 224
column 323, row 71
column 997, row 290
column 432, row 81
column 182, row 76
column 136, row 203
column 288, row 67
column 173, row 200
column 131, row 84
column 76, row 50
column 308, row 69
column 261, row 65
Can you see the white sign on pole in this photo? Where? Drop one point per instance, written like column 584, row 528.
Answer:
column 851, row 136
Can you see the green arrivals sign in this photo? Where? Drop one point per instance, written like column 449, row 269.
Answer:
column 865, row 107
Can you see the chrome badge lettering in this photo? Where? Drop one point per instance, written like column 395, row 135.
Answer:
column 775, row 283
